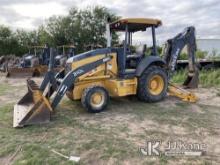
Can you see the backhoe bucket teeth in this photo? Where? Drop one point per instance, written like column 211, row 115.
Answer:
column 192, row 80
column 33, row 108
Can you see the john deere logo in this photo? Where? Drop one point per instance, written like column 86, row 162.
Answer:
column 78, row 72
column 173, row 63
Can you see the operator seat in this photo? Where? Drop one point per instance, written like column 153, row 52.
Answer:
column 134, row 59
column 139, row 53
column 127, row 68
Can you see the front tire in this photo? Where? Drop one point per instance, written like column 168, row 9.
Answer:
column 152, row 84
column 95, row 99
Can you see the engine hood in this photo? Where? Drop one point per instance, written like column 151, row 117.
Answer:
column 90, row 53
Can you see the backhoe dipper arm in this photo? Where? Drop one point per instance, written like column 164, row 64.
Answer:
column 175, row 45
column 172, row 52
column 68, row 81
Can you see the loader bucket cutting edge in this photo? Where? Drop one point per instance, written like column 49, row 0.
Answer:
column 33, row 108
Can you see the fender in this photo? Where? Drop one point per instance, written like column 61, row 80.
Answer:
column 146, row 62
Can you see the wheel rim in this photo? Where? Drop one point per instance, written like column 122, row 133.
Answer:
column 97, row 99
column 156, row 85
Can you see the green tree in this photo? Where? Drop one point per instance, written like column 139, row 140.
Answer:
column 80, row 27
column 25, row 39
column 56, row 28
column 44, row 37
column 8, row 42
column 201, row 54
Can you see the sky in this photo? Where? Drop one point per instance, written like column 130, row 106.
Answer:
column 175, row 14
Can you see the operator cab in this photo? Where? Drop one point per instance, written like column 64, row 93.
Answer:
column 128, row 60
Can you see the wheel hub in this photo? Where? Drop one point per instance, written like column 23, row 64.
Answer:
column 156, row 85
column 97, row 99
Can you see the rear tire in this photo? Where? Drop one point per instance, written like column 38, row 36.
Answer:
column 95, row 99
column 152, row 84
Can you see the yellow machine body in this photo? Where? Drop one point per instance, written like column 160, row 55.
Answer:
column 105, row 75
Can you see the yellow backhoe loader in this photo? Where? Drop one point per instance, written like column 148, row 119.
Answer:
column 95, row 76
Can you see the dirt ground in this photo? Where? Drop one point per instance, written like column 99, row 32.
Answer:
column 114, row 136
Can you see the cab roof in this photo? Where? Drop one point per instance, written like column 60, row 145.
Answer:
column 135, row 24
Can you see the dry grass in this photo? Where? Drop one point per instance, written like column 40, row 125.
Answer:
column 111, row 137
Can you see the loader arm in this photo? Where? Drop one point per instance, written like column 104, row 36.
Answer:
column 173, row 48
column 68, row 81
column 35, row 107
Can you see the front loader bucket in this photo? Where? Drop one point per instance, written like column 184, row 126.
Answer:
column 33, row 108
column 192, row 80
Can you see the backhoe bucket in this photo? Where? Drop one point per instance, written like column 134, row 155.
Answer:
column 33, row 108
column 192, row 80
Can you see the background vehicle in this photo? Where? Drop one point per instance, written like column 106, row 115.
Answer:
column 64, row 52
column 34, row 63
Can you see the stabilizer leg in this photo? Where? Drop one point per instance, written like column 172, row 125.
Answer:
column 181, row 93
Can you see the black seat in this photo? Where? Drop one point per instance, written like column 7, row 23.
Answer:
column 132, row 60
column 126, row 70
column 138, row 54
